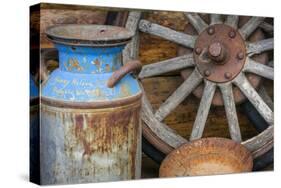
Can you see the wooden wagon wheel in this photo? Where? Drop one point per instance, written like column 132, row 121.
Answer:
column 229, row 49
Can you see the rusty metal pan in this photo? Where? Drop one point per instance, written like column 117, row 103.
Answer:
column 89, row 35
column 208, row 156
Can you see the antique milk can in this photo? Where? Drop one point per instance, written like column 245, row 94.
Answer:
column 90, row 112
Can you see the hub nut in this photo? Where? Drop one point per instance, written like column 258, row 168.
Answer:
column 217, row 52
column 215, row 49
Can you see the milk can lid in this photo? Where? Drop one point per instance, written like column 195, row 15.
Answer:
column 89, row 35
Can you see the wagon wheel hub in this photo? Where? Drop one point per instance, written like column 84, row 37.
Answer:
column 219, row 53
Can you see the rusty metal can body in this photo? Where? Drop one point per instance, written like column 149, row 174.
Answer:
column 90, row 145
column 89, row 132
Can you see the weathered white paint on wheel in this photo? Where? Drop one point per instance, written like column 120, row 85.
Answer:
column 266, row 98
column 133, row 21
column 203, row 111
column 179, row 95
column 248, row 90
column 167, row 33
column 271, row 63
column 259, row 46
column 230, row 109
column 169, row 65
column 260, row 144
column 247, row 29
column 232, row 20
column 267, row 27
column 257, row 68
column 196, row 21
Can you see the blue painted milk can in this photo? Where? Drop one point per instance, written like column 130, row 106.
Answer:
column 90, row 112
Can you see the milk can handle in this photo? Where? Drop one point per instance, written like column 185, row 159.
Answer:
column 131, row 66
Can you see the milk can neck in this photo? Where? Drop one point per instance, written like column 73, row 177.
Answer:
column 89, row 60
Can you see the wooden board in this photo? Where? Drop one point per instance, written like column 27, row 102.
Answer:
column 154, row 49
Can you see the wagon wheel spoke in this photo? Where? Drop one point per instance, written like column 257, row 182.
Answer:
column 232, row 21
column 267, row 27
column 169, row 65
column 247, row 29
column 258, row 145
column 260, row 46
column 179, row 95
column 259, row 69
column 196, row 21
column 131, row 50
column 203, row 110
column 248, row 90
column 267, row 99
column 167, row 33
column 133, row 21
column 270, row 63
column 165, row 131
column 230, row 109
column 216, row 19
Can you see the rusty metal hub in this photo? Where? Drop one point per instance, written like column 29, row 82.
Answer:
column 219, row 53
column 255, row 80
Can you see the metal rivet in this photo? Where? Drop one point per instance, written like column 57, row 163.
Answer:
column 232, row 34
column 227, row 75
column 198, row 50
column 207, row 73
column 240, row 55
column 211, row 31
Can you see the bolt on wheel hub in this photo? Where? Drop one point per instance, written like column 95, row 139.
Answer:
column 219, row 53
